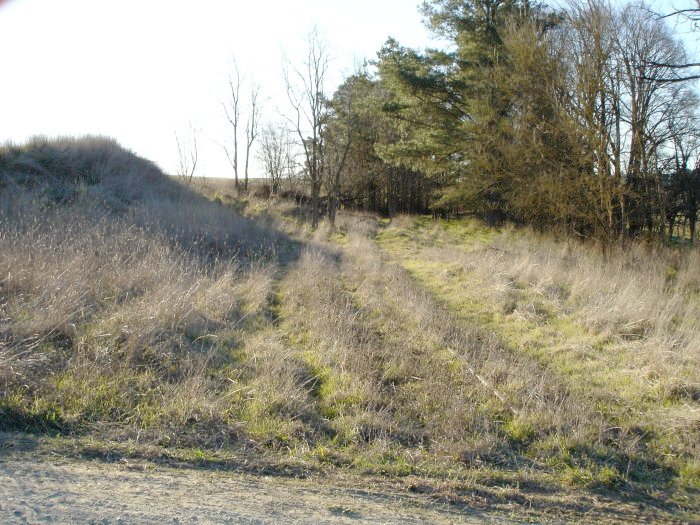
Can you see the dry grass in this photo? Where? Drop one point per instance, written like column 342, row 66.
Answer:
column 621, row 331
column 405, row 386
column 639, row 301
column 134, row 309
column 121, row 303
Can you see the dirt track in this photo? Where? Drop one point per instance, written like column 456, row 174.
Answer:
column 35, row 490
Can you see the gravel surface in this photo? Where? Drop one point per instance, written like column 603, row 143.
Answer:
column 79, row 491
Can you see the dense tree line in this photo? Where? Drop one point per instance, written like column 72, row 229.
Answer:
column 581, row 119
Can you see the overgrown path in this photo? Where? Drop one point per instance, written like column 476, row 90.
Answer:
column 332, row 360
column 403, row 386
column 517, row 291
column 161, row 327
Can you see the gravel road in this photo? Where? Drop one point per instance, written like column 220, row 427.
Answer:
column 44, row 490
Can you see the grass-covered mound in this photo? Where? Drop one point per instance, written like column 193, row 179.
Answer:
column 59, row 171
column 122, row 295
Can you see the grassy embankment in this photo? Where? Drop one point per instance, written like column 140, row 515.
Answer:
column 136, row 314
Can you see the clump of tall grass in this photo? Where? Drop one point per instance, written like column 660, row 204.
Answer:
column 107, row 322
column 58, row 169
column 103, row 180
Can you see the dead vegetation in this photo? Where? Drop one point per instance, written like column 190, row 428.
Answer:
column 618, row 331
column 159, row 317
column 122, row 301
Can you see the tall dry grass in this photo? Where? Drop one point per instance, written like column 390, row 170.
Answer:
column 404, row 383
column 103, row 180
column 123, row 296
column 150, row 313
column 618, row 331
column 644, row 301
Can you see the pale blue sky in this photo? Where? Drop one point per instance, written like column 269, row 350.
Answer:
column 140, row 70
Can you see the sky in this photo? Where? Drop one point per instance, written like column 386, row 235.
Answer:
column 143, row 70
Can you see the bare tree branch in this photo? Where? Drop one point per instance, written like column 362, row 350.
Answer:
column 305, row 92
column 188, row 154
column 251, row 129
column 233, row 115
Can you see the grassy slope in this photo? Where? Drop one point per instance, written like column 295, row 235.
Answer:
column 146, row 319
column 124, row 297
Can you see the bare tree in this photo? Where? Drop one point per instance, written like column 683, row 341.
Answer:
column 232, row 110
column 275, row 154
column 188, row 155
column 649, row 102
column 251, row 129
column 686, row 14
column 587, row 49
column 305, row 91
column 681, row 71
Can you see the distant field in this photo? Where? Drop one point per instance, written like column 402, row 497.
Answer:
column 227, row 184
column 504, row 367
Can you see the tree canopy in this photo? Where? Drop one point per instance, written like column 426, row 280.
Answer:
column 553, row 118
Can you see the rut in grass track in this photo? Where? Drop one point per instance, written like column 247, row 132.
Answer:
column 398, row 376
column 482, row 398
